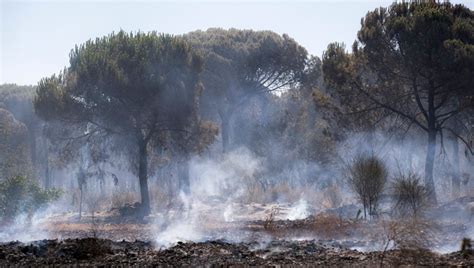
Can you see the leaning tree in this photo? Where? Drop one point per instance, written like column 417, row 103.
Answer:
column 136, row 87
column 414, row 61
column 240, row 64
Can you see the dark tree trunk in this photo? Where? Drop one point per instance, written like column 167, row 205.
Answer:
column 47, row 173
column 81, row 190
column 430, row 154
column 456, row 172
column 143, row 177
column 429, row 165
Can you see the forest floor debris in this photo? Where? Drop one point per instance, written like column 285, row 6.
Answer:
column 324, row 238
column 93, row 251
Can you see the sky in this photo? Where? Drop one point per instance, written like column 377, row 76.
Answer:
column 36, row 36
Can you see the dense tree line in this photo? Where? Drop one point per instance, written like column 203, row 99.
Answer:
column 154, row 98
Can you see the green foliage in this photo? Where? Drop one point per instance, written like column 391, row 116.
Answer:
column 124, row 82
column 354, row 110
column 21, row 195
column 413, row 65
column 337, row 65
column 140, row 88
column 408, row 57
column 240, row 64
column 368, row 175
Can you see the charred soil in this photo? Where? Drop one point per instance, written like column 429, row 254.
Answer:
column 103, row 252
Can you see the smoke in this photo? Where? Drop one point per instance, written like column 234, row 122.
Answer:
column 219, row 196
column 26, row 227
column 299, row 211
column 215, row 185
column 232, row 188
column 225, row 177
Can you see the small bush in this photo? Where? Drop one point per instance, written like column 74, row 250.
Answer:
column 412, row 237
column 410, row 196
column 269, row 222
column 20, row 195
column 367, row 178
column 409, row 234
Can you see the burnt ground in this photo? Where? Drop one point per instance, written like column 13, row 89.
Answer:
column 274, row 243
column 99, row 252
column 323, row 239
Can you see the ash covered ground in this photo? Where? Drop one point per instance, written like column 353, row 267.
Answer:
column 252, row 234
column 92, row 251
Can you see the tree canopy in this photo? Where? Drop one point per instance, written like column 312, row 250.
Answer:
column 414, row 61
column 240, row 64
column 137, row 86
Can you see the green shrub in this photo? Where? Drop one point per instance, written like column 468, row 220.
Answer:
column 20, row 195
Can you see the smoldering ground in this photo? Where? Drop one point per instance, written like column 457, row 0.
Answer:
column 232, row 199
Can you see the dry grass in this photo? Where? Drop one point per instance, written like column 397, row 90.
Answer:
column 331, row 226
column 323, row 225
column 127, row 231
column 408, row 234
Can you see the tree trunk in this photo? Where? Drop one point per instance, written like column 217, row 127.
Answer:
column 47, row 173
column 81, row 190
column 429, row 165
column 456, row 172
column 143, row 177
column 430, row 153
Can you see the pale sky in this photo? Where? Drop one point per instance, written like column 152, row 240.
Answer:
column 36, row 36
